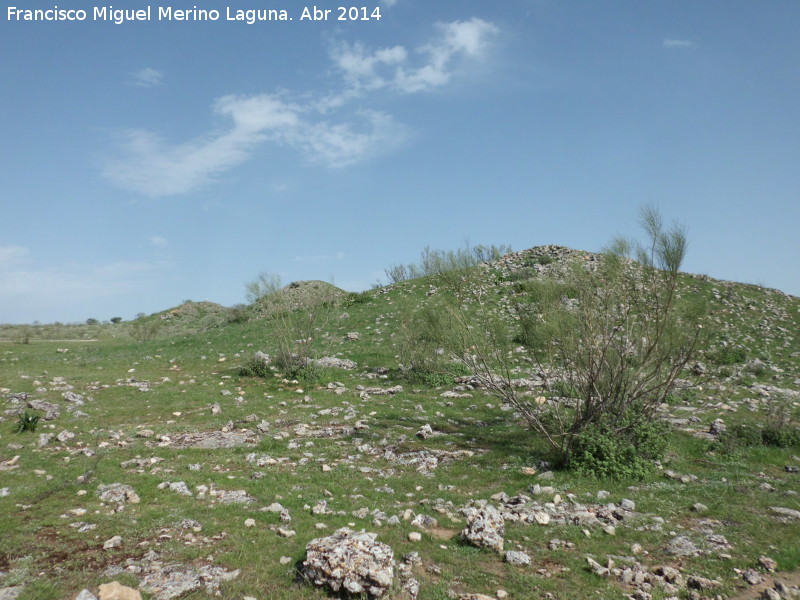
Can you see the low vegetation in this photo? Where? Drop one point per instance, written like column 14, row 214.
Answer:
column 557, row 384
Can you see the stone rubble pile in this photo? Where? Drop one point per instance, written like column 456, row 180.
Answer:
column 350, row 561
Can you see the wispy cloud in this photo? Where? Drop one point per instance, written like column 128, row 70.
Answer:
column 394, row 68
column 673, row 44
column 319, row 126
column 320, row 257
column 26, row 288
column 146, row 77
column 156, row 168
column 157, row 240
column 347, row 143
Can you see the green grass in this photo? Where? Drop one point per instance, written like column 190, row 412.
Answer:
column 185, row 374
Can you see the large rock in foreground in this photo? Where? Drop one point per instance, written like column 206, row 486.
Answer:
column 351, row 561
column 485, row 527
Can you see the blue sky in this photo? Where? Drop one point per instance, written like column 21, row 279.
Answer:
column 147, row 163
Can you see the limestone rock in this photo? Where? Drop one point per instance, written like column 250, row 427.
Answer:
column 114, row 542
column 10, row 593
column 51, row 411
column 785, row 512
column 517, row 558
column 425, row 432
column 65, row 436
column 682, row 546
column 485, row 527
column 116, row 591
column 332, row 362
column 117, row 493
column 172, row 581
column 350, row 561
column 768, row 563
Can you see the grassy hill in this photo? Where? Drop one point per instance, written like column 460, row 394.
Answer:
column 211, row 436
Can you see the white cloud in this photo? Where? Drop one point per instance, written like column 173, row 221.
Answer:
column 151, row 165
column 156, row 168
column 146, row 78
column 672, row 43
column 389, row 3
column 157, row 240
column 360, row 67
column 343, row 144
column 391, row 67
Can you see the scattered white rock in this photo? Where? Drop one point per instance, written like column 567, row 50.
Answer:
column 519, row 559
column 114, row 542
column 117, row 493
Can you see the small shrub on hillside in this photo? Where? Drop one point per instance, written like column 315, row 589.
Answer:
column 297, row 366
column 238, row 314
column 727, row 355
column 782, row 430
column 682, row 396
column 442, row 375
column 756, row 368
column 358, row 298
column 255, row 367
column 747, row 435
column 27, row 422
column 602, row 451
column 265, row 285
column 307, row 373
column 781, row 436
column 519, row 277
column 21, row 335
column 543, row 259
column 439, row 262
column 143, row 330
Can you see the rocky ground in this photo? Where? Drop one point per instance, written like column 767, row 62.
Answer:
column 157, row 471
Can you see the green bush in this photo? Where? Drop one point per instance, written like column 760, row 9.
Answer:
column 756, row 368
column 434, row 376
column 238, row 314
column 682, row 396
column 727, row 355
column 22, row 335
column 307, row 373
column 145, row 330
column 604, row 452
column 27, row 422
column 520, row 278
column 746, row 434
column 255, row 368
column 781, row 436
column 440, row 262
column 543, row 259
column 358, row 298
